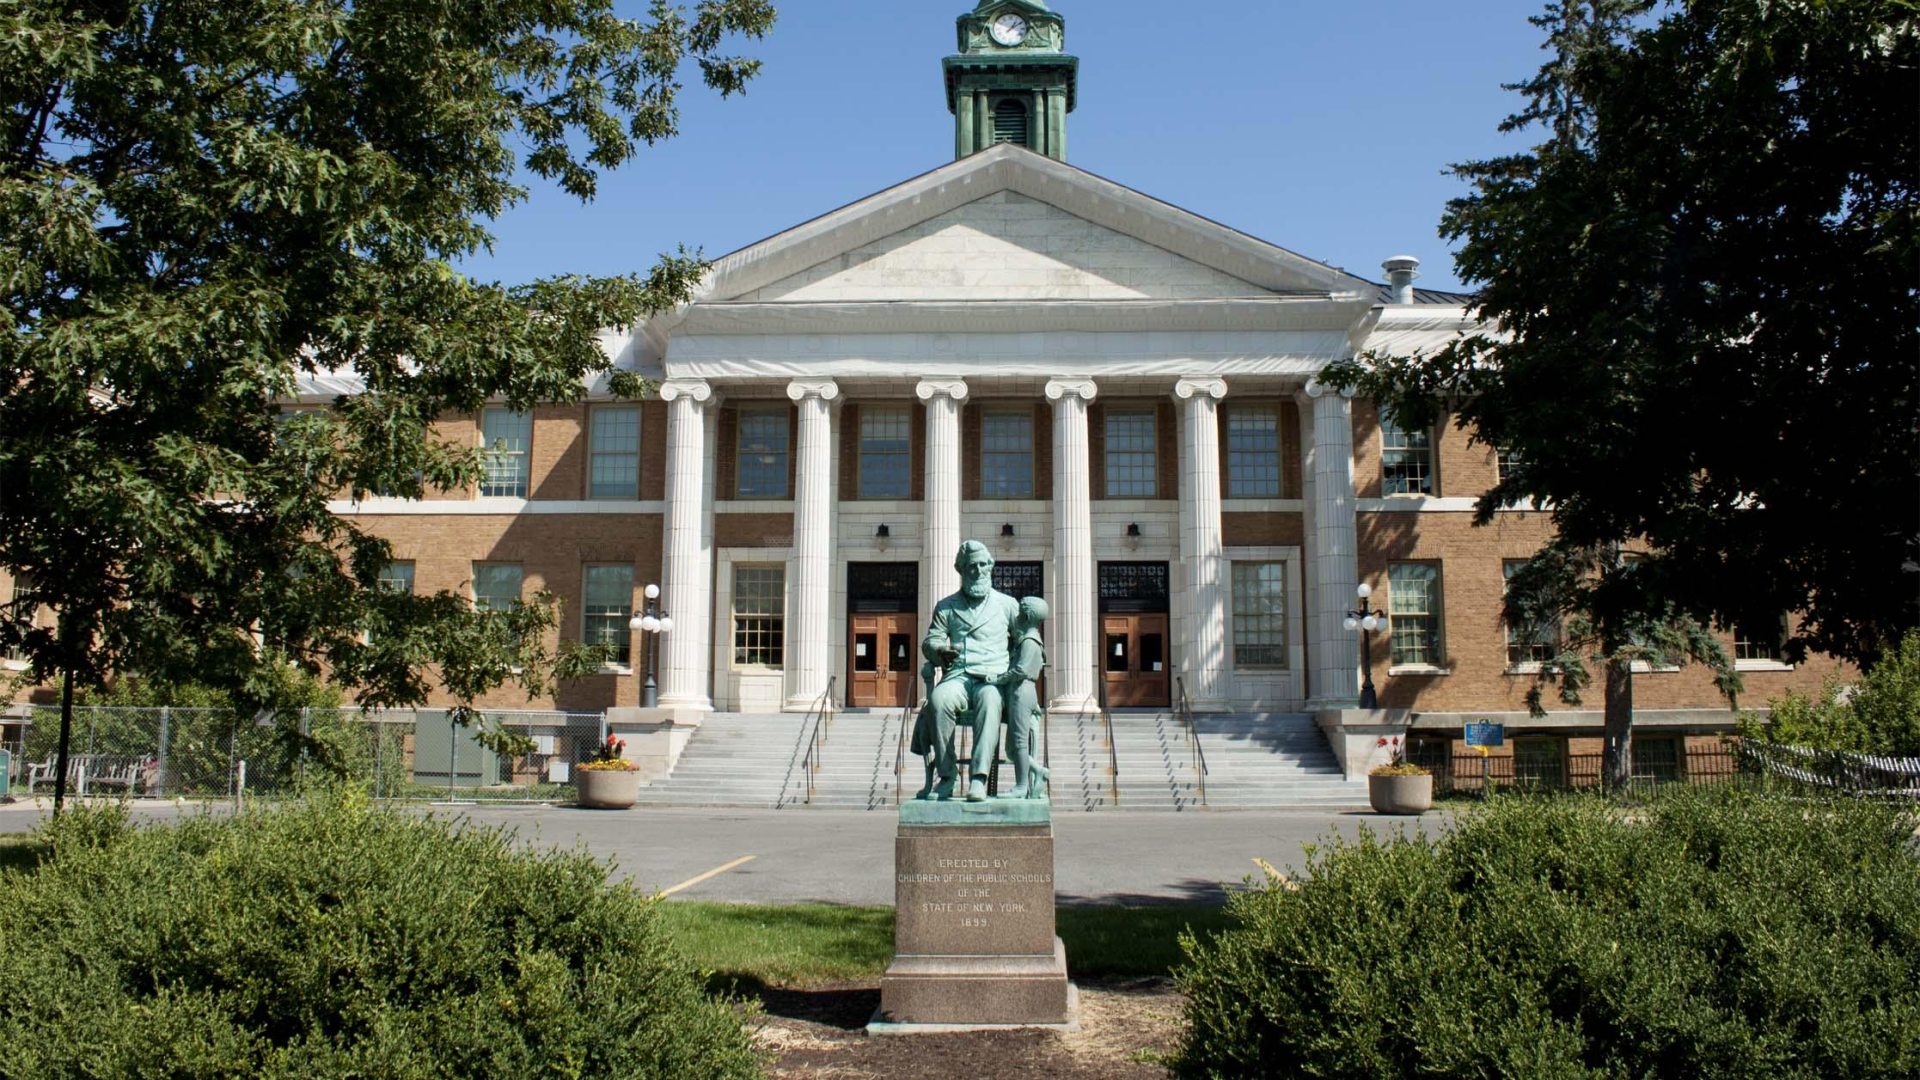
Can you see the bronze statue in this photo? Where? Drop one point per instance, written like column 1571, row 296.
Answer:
column 971, row 643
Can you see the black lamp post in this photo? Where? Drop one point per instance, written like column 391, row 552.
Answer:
column 652, row 622
column 1366, row 619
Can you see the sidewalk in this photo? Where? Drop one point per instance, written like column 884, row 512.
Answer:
column 846, row 857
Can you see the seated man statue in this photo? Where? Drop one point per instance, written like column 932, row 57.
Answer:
column 1023, row 700
column 968, row 638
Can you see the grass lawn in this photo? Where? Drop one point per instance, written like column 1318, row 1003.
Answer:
column 804, row 945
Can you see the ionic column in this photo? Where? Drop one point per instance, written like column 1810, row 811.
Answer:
column 688, row 571
column 1333, row 654
column 940, row 532
column 1201, row 544
column 812, row 543
column 1070, row 631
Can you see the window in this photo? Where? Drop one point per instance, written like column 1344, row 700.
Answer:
column 397, row 577
column 1536, row 644
column 1406, row 459
column 1507, row 462
column 886, row 448
column 1133, row 455
column 614, row 471
column 762, row 457
column 1253, row 453
column 1006, row 454
column 1260, row 615
column 609, row 604
column 1413, row 601
column 496, row 586
column 1760, row 642
column 759, row 616
column 506, row 436
column 1539, row 761
column 1656, row 758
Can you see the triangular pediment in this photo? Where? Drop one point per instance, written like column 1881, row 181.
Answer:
column 1006, row 246
column 1040, row 227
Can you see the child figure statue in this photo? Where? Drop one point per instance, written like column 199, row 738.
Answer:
column 1023, row 700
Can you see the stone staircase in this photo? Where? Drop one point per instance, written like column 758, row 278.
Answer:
column 1254, row 761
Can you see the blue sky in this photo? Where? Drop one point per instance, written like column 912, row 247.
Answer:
column 1322, row 127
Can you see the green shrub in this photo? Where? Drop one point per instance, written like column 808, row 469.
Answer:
column 1713, row 934
column 1881, row 715
column 327, row 939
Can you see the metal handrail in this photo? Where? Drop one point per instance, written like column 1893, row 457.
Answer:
column 1106, row 716
column 900, row 752
column 1183, row 709
column 822, row 711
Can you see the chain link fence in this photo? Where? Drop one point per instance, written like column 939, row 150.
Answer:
column 195, row 753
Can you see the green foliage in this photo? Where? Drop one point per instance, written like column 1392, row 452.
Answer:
column 1714, row 934
column 1880, row 715
column 327, row 939
column 201, row 201
column 1701, row 287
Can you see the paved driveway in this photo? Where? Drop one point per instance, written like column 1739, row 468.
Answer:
column 846, row 857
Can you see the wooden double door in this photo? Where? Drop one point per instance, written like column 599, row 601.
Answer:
column 1134, row 660
column 882, row 656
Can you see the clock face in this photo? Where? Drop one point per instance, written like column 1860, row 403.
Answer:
column 1009, row 29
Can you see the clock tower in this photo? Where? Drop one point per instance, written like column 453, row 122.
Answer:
column 1011, row 81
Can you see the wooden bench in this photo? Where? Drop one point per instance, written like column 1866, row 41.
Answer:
column 124, row 772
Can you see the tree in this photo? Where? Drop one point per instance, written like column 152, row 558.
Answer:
column 1702, row 293
column 201, row 199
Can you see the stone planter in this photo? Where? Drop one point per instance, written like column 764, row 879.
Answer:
column 1400, row 794
column 607, row 789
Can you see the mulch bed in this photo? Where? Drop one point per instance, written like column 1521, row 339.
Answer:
column 1125, row 1028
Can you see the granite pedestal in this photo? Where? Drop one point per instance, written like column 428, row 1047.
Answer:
column 974, row 942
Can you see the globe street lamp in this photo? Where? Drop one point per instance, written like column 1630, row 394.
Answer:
column 652, row 622
column 1366, row 620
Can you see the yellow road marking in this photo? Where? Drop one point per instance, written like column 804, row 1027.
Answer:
column 1276, row 876
column 715, row 872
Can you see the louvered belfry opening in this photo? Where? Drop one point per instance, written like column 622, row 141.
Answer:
column 1010, row 122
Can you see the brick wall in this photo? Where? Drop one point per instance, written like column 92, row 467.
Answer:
column 1473, row 639
column 553, row 551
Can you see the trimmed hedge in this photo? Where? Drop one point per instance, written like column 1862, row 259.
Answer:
column 328, row 939
column 1713, row 934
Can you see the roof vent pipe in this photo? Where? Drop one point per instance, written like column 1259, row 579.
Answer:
column 1401, row 270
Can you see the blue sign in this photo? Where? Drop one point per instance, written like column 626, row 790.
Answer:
column 1486, row 733
column 6, row 772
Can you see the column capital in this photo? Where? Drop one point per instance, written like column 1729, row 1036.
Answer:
column 1188, row 388
column 1317, row 389
column 698, row 389
column 1084, row 389
column 933, row 388
column 802, row 389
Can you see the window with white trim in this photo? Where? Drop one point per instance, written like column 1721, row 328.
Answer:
column 1260, row 615
column 607, row 607
column 760, row 460
column 1006, row 454
column 1528, row 645
column 496, row 587
column 1406, row 458
column 1133, row 454
column 1506, row 462
column 1253, row 452
column 506, row 437
column 397, row 576
column 1761, row 642
column 1657, row 758
column 759, row 616
column 1413, row 613
column 886, row 450
column 613, row 468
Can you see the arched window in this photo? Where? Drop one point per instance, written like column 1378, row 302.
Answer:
column 1010, row 122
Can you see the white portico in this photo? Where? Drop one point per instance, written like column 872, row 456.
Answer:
column 956, row 316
